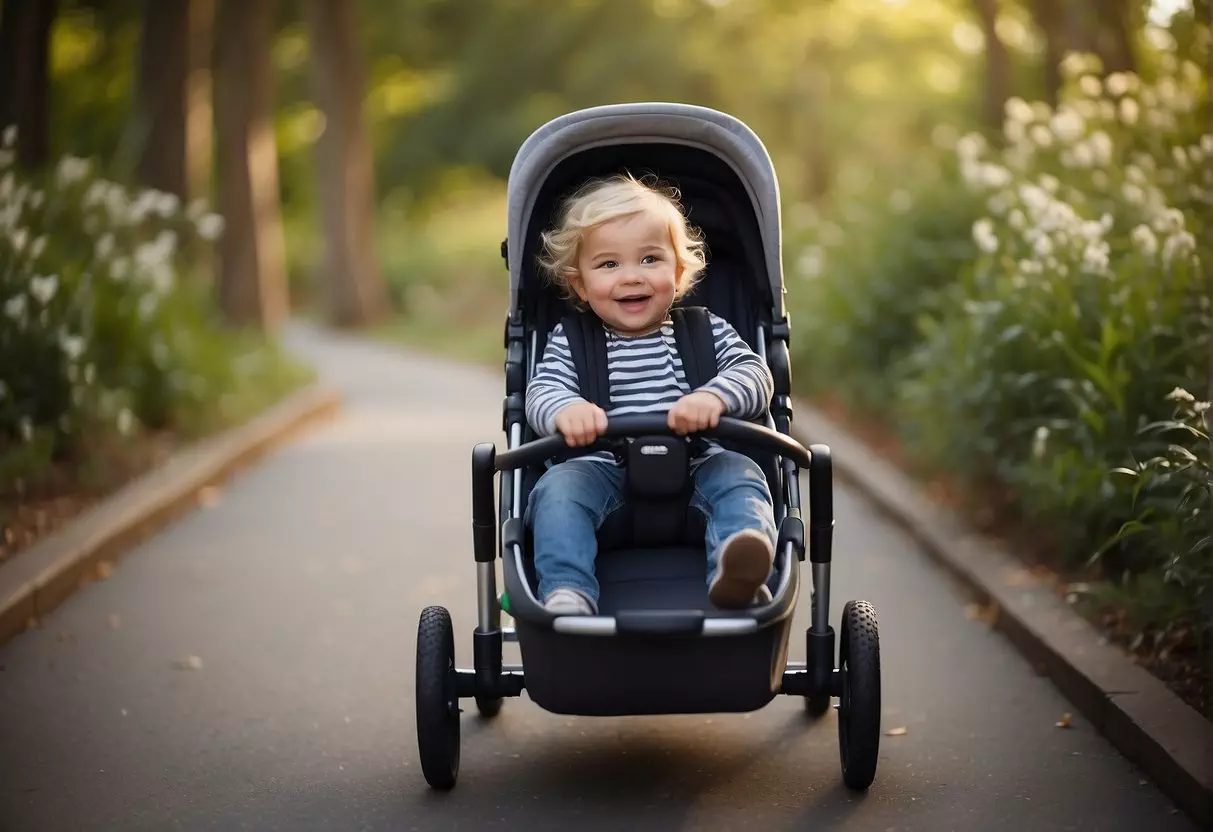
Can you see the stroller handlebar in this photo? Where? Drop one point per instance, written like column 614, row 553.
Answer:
column 754, row 436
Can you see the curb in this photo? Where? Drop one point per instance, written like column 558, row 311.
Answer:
column 1139, row 715
column 34, row 582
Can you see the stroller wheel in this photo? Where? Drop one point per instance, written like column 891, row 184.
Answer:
column 437, row 699
column 859, row 705
column 488, row 708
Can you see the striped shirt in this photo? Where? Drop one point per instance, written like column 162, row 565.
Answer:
column 646, row 376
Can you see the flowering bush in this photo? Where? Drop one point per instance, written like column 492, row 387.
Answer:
column 1041, row 371
column 1088, row 302
column 95, row 328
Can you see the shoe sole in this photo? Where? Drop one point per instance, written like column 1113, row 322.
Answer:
column 744, row 566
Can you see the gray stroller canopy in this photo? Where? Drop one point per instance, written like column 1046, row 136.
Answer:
column 691, row 129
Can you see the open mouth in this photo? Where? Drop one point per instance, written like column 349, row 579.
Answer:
column 633, row 303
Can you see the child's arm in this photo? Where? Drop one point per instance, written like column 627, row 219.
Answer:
column 554, row 386
column 744, row 382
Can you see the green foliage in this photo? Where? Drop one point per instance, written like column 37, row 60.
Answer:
column 1081, row 301
column 97, row 330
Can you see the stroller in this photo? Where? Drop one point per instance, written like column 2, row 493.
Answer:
column 657, row 644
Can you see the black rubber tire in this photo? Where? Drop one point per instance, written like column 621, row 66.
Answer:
column 488, row 708
column 817, row 704
column 859, row 705
column 437, row 699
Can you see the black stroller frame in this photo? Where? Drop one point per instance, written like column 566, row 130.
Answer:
column 656, row 646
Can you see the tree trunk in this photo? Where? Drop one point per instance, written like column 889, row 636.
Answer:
column 1050, row 19
column 174, row 110
column 252, row 270
column 997, row 66
column 25, row 34
column 351, row 278
column 1115, row 35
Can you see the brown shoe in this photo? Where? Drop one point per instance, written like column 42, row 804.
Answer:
column 745, row 563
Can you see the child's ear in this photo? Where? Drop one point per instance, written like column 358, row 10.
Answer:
column 578, row 286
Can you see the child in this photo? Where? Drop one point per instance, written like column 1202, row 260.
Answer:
column 624, row 248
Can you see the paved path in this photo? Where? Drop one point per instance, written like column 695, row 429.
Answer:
column 300, row 591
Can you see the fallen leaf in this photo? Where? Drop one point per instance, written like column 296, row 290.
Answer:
column 897, row 732
column 188, row 663
column 987, row 613
column 1064, row 722
column 210, row 496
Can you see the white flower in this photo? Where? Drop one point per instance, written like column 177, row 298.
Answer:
column 26, row 427
column 1067, row 125
column 1133, row 194
column 809, row 264
column 15, row 306
column 1118, row 83
column 72, row 346
column 6, row 158
column 901, row 201
column 1090, row 86
column 71, row 170
column 9, row 137
column 1017, row 220
column 37, row 247
column 210, row 227
column 1041, row 137
column 167, row 205
column 1018, row 110
column 43, row 289
column 1170, row 221
column 984, row 236
column 1180, row 395
column 1206, row 144
column 1040, row 441
column 120, row 267
column 125, row 421
column 196, row 209
column 1091, row 230
column 1200, row 407
column 1101, row 145
column 970, row 146
column 1129, row 111
column 1178, row 246
column 1043, row 246
column 105, row 245
column 1095, row 257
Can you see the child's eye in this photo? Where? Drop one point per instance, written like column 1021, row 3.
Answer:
column 606, row 264
column 650, row 258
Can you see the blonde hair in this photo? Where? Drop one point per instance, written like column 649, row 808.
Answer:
column 600, row 201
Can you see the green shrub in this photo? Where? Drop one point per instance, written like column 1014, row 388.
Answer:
column 97, row 331
column 862, row 277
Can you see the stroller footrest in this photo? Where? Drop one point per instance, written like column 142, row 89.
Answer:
column 659, row 622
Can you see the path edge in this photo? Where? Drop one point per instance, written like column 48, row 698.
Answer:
column 1151, row 726
column 36, row 581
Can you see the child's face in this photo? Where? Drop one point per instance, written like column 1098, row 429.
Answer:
column 629, row 272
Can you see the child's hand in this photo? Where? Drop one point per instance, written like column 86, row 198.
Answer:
column 695, row 411
column 581, row 423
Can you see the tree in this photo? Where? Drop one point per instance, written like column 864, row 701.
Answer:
column 252, row 271
column 173, row 111
column 997, row 85
column 351, row 276
column 25, row 34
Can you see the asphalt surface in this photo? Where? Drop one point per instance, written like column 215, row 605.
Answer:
column 298, row 592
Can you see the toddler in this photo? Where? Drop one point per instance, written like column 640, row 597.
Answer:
column 623, row 248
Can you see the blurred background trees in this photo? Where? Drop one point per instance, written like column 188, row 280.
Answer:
column 186, row 167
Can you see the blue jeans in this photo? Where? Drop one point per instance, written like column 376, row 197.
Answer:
column 572, row 500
